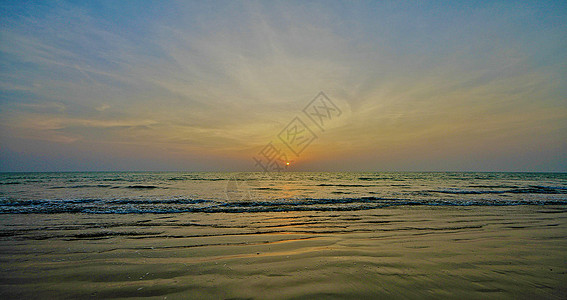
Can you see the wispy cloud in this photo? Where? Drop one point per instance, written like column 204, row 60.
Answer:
column 223, row 78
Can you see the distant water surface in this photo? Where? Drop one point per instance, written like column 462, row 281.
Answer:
column 161, row 192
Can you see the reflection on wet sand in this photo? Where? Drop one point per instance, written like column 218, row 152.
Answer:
column 471, row 252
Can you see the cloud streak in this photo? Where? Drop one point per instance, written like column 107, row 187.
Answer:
column 216, row 81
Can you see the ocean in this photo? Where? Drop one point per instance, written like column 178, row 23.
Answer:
column 166, row 192
column 222, row 235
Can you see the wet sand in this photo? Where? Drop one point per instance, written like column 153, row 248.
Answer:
column 409, row 251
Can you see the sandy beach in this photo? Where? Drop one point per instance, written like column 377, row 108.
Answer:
column 409, row 252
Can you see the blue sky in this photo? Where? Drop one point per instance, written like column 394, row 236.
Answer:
column 148, row 85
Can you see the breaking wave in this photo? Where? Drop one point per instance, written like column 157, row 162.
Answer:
column 177, row 205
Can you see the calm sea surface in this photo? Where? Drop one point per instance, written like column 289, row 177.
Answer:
column 156, row 192
column 289, row 235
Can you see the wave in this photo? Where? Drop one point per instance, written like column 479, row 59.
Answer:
column 186, row 205
column 195, row 178
column 493, row 186
column 113, row 179
column 143, row 187
column 164, row 201
column 10, row 182
column 345, row 185
column 82, row 186
column 535, row 189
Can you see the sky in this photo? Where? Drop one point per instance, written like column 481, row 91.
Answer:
column 214, row 85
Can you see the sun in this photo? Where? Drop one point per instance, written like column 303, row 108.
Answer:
column 287, row 163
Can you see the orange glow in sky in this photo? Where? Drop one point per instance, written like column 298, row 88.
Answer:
column 204, row 86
